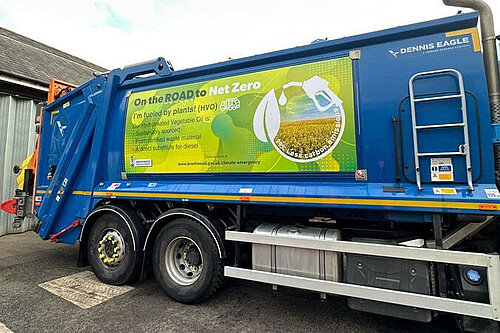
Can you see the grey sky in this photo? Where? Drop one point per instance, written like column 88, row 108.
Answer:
column 189, row 33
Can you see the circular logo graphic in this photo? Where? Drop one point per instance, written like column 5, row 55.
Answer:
column 310, row 126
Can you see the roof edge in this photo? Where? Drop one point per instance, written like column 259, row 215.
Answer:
column 50, row 49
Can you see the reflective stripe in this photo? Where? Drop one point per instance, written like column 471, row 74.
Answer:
column 310, row 200
column 82, row 192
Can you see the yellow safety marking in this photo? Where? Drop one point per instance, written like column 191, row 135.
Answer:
column 42, row 191
column 331, row 201
column 52, row 114
column 444, row 190
column 445, row 176
column 476, row 43
column 60, row 192
column 82, row 192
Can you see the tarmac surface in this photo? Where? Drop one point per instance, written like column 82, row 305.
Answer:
column 26, row 261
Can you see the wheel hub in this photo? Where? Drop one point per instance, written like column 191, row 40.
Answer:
column 184, row 260
column 111, row 248
column 193, row 257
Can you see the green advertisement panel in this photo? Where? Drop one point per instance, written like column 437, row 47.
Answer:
column 291, row 119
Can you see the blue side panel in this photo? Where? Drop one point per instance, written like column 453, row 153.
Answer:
column 346, row 195
column 383, row 87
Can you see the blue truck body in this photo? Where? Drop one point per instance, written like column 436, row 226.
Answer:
column 366, row 166
column 83, row 134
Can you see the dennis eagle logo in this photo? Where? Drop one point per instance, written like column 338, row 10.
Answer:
column 61, row 128
column 438, row 46
column 394, row 53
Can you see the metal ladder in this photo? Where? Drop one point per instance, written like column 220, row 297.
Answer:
column 463, row 149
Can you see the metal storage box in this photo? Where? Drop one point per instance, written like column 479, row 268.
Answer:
column 318, row 264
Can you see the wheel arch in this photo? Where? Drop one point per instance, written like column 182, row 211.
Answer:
column 215, row 229
column 127, row 214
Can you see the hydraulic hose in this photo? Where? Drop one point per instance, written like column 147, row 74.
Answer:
column 490, row 63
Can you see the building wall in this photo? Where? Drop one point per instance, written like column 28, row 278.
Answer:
column 17, row 141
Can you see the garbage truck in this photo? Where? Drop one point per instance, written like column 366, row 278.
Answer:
column 366, row 167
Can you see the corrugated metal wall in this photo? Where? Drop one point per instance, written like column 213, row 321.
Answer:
column 17, row 141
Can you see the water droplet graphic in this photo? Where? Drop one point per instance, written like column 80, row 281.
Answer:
column 282, row 99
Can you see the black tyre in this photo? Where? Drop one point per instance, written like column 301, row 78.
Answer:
column 110, row 250
column 186, row 261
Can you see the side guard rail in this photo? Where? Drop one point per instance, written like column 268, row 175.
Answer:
column 490, row 261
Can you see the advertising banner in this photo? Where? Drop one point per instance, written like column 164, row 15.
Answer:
column 292, row 119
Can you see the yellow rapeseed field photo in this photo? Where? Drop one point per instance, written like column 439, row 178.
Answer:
column 305, row 136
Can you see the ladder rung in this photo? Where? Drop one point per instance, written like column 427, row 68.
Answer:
column 436, row 98
column 445, row 153
column 440, row 125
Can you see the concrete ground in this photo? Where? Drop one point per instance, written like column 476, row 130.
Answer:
column 26, row 261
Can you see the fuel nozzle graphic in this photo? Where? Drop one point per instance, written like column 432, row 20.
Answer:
column 317, row 90
column 303, row 134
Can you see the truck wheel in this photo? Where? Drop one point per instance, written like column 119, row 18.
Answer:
column 110, row 250
column 186, row 261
